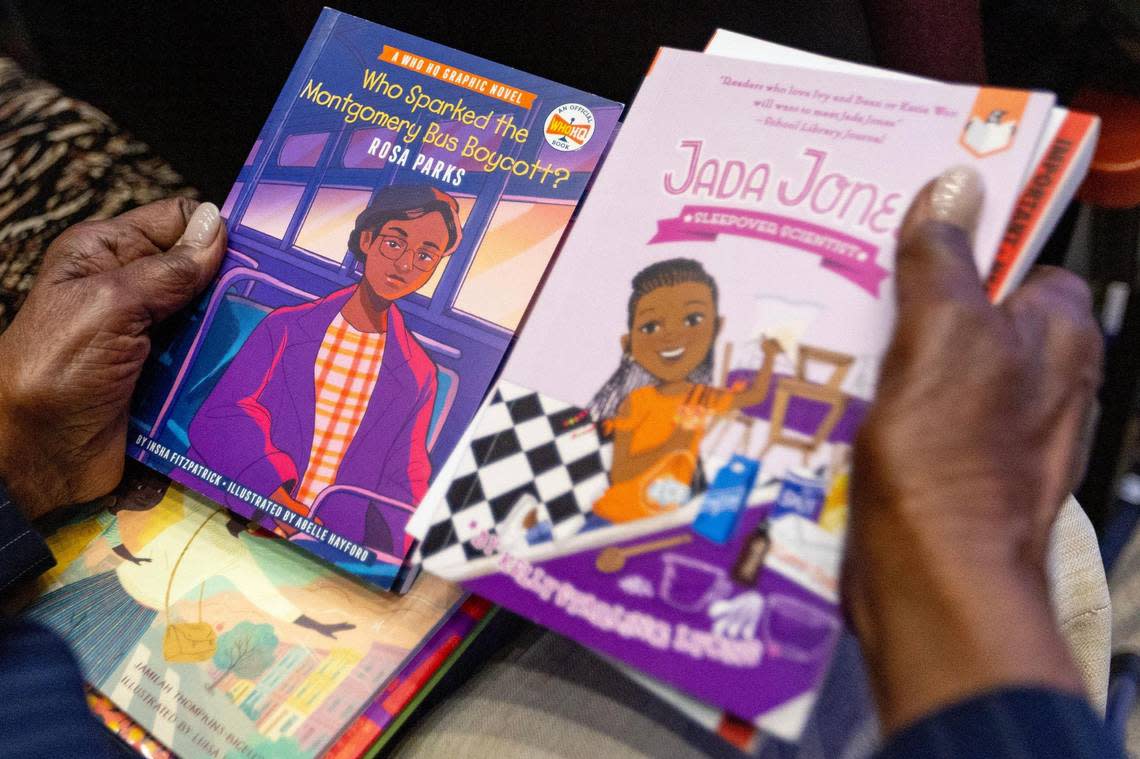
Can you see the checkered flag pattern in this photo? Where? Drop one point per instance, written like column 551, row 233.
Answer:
column 525, row 444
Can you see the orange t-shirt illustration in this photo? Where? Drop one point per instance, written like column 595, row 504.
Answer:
column 651, row 420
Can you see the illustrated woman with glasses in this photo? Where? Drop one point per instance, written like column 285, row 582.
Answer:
column 338, row 391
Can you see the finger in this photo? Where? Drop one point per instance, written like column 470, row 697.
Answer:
column 1057, row 290
column 1084, row 448
column 935, row 261
column 1058, row 304
column 1051, row 305
column 167, row 282
column 161, row 222
column 1055, row 306
column 102, row 245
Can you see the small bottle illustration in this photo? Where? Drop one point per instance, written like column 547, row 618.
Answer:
column 748, row 564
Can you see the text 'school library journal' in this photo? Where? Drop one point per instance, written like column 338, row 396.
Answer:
column 386, row 234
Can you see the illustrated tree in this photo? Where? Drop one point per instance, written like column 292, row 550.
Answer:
column 246, row 649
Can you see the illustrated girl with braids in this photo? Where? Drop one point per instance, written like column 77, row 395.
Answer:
column 660, row 402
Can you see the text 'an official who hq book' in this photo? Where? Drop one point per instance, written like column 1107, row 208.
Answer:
column 661, row 471
column 386, row 235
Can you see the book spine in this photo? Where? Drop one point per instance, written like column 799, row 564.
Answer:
column 1036, row 199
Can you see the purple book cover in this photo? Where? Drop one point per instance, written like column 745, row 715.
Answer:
column 386, row 234
column 661, row 472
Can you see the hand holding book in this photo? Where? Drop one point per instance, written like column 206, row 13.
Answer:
column 70, row 360
column 961, row 467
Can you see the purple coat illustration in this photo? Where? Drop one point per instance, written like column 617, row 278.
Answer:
column 256, row 426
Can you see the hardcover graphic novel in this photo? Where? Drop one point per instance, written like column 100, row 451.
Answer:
column 661, row 471
column 386, row 234
column 222, row 641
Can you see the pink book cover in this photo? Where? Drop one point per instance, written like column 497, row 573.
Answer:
column 661, row 472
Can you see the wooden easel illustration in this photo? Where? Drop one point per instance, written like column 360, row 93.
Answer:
column 800, row 386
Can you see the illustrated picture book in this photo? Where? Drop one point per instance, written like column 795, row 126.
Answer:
column 661, row 471
column 220, row 640
column 378, row 723
column 385, row 236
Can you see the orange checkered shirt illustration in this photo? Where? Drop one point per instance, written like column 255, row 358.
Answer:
column 344, row 376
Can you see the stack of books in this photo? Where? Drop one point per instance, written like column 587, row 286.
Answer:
column 659, row 469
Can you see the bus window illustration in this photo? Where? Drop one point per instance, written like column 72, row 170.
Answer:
column 660, row 401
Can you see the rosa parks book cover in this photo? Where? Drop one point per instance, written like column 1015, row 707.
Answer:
column 386, row 234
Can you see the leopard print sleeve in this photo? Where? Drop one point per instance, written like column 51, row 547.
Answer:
column 62, row 161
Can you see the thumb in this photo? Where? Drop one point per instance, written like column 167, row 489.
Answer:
column 166, row 282
column 935, row 260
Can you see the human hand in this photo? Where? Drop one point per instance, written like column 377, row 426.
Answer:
column 71, row 357
column 960, row 468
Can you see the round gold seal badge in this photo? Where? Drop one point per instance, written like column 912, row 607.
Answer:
column 569, row 127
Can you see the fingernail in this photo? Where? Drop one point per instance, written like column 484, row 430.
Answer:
column 202, row 227
column 956, row 197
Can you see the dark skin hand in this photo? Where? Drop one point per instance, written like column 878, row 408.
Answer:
column 961, row 467
column 71, row 357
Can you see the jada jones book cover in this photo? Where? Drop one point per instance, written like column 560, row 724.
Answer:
column 386, row 234
column 661, row 472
